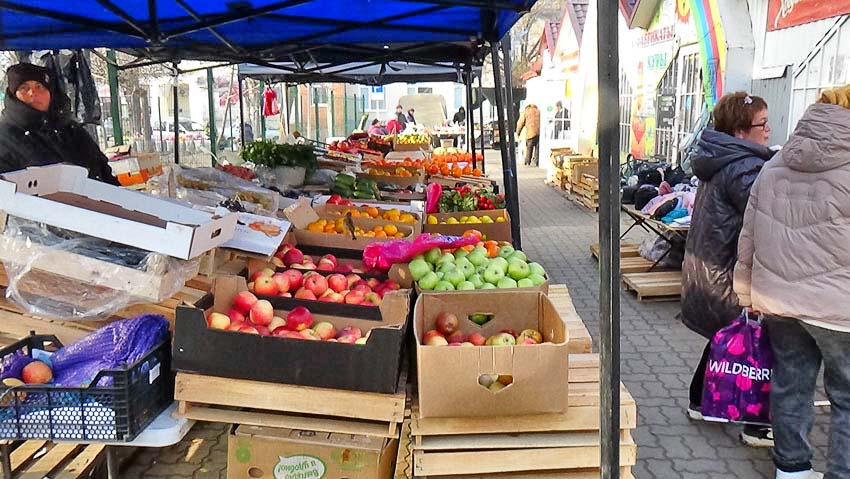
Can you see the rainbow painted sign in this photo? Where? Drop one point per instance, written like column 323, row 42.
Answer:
column 712, row 45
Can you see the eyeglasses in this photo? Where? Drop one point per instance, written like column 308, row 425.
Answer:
column 764, row 125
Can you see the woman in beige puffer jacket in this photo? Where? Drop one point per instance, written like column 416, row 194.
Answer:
column 794, row 266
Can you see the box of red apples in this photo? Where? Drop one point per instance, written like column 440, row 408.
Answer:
column 500, row 354
column 232, row 333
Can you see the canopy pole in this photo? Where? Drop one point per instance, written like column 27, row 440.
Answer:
column 470, row 120
column 513, row 200
column 333, row 113
column 495, row 48
column 286, row 107
column 211, row 101
column 262, row 115
column 114, row 99
column 609, row 237
column 481, row 117
column 176, row 104
column 241, row 113
column 315, row 92
column 159, row 119
column 355, row 112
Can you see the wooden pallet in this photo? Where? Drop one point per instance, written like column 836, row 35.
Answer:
column 627, row 250
column 41, row 459
column 580, row 340
column 638, row 264
column 239, row 401
column 545, row 445
column 655, row 286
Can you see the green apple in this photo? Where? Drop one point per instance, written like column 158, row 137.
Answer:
column 455, row 277
column 536, row 279
column 517, row 255
column 493, row 274
column 506, row 283
column 518, row 270
column 464, row 266
column 476, row 280
column 433, row 255
column 419, row 256
column 446, row 258
column 461, row 253
column 501, row 339
column 488, row 286
column 506, row 251
column 440, row 275
column 418, row 268
column 465, row 286
column 536, row 268
column 502, row 263
column 524, row 283
column 429, row 280
column 479, row 318
column 445, row 267
column 444, row 286
column 477, row 258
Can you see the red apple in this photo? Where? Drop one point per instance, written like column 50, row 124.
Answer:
column 293, row 256
column 353, row 279
column 237, row 325
column 350, row 331
column 284, row 248
column 477, row 339
column 265, row 286
column 37, row 372
column 295, row 278
column 305, row 293
column 446, row 323
column 524, row 341
column 373, row 283
column 311, row 335
column 532, row 334
column 509, row 331
column 456, row 337
column 373, row 298
column 261, row 313
column 330, row 259
column 337, row 282
column 429, row 335
column 299, row 319
column 251, row 286
column 362, row 289
column 218, row 321
column 290, row 334
column 278, row 263
column 325, row 330
column 259, row 274
column 455, row 344
column 360, row 282
column 435, row 339
column 344, row 268
column 282, row 282
column 358, row 270
column 317, row 284
column 308, row 266
column 390, row 284
column 235, row 315
column 277, row 322
column 347, row 339
column 467, row 344
column 264, row 331
column 243, row 301
column 354, row 297
column 248, row 329
column 325, row 267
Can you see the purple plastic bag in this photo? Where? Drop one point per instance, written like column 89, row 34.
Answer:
column 737, row 377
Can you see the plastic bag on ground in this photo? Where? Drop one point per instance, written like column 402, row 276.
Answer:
column 737, row 377
column 382, row 256
column 61, row 274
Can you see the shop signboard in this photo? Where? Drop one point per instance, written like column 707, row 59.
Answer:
column 789, row 13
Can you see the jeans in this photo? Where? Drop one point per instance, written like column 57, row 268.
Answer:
column 699, row 377
column 532, row 150
column 798, row 350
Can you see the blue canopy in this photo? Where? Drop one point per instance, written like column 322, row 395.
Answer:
column 261, row 30
column 364, row 73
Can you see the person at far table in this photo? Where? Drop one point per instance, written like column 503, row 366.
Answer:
column 376, row 129
column 37, row 128
column 400, row 117
column 459, row 119
column 410, row 118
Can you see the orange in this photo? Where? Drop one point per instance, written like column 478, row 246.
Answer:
column 315, row 227
column 391, row 229
column 467, row 170
column 378, row 228
column 476, row 172
column 475, row 233
column 330, row 228
column 407, row 218
column 457, row 172
column 380, row 234
column 372, row 211
column 433, row 169
column 445, row 171
column 399, row 235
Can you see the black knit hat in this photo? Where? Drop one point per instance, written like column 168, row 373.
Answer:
column 17, row 75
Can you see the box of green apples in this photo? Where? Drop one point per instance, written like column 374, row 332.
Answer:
column 462, row 270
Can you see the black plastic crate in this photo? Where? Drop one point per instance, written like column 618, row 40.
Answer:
column 115, row 412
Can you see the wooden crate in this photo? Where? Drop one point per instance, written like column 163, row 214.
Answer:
column 627, row 250
column 39, row 459
column 239, row 401
column 655, row 286
column 580, row 340
column 545, row 445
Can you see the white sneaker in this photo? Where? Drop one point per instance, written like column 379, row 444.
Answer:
column 810, row 474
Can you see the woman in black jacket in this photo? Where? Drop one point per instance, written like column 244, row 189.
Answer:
column 729, row 159
column 36, row 128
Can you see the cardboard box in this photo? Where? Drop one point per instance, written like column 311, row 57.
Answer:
column 417, row 175
column 335, row 211
column 400, row 273
column 371, row 367
column 64, row 196
column 415, row 147
column 448, row 376
column 258, row 451
column 493, row 231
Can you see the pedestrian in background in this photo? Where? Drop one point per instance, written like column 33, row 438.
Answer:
column 794, row 266
column 562, row 120
column 530, row 121
column 729, row 158
column 400, row 118
column 410, row 118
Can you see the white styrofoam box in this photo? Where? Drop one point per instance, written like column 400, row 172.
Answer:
column 112, row 213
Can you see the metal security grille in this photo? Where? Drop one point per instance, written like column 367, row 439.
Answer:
column 691, row 99
column 625, row 115
column 665, row 132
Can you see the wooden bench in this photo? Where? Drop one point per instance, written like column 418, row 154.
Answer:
column 655, row 286
column 39, row 459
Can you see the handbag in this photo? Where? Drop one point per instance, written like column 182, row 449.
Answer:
column 737, row 376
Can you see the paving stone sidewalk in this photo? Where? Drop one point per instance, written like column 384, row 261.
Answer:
column 658, row 354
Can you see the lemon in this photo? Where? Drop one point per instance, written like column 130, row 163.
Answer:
column 500, row 219
column 432, row 220
column 452, row 221
column 474, row 220
column 486, row 220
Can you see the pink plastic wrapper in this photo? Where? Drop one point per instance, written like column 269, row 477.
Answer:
column 433, row 193
column 383, row 255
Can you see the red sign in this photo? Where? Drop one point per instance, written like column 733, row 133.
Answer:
column 790, row 13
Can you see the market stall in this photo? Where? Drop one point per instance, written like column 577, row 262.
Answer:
column 324, row 32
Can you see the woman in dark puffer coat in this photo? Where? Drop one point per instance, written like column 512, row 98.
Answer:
column 730, row 157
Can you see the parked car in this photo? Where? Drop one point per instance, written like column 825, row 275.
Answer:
column 189, row 130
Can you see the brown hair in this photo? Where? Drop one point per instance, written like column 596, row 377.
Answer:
column 736, row 111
